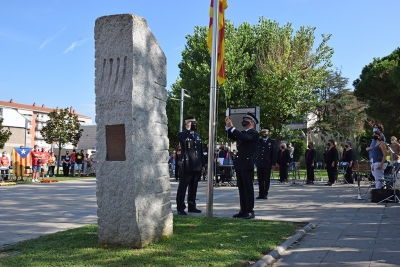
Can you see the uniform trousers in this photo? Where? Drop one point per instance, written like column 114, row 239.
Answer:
column 283, row 173
column 246, row 190
column 310, row 172
column 187, row 180
column 264, row 179
column 332, row 173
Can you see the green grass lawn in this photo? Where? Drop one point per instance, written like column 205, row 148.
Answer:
column 197, row 241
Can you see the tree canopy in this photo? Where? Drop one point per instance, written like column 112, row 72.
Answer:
column 379, row 88
column 267, row 65
column 62, row 128
column 4, row 134
column 338, row 111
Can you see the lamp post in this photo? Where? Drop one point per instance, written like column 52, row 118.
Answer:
column 183, row 95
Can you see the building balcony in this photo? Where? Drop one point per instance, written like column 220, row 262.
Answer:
column 29, row 126
column 39, row 127
column 41, row 119
column 38, row 136
column 28, row 136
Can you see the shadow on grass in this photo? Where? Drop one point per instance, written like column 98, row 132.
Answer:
column 197, row 241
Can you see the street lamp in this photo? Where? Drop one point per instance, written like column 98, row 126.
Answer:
column 183, row 95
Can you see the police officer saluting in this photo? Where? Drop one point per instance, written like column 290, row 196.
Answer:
column 266, row 158
column 244, row 164
column 192, row 166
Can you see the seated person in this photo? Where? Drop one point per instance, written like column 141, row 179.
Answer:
column 217, row 168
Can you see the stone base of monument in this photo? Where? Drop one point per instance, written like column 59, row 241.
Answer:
column 133, row 187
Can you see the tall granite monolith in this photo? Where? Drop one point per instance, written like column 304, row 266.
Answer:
column 133, row 187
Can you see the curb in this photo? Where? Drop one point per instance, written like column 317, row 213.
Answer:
column 275, row 254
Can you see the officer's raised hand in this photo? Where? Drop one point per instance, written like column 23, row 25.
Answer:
column 228, row 122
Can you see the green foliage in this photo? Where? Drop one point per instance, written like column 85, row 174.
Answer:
column 338, row 110
column 62, row 128
column 379, row 88
column 288, row 71
column 267, row 65
column 4, row 134
column 299, row 148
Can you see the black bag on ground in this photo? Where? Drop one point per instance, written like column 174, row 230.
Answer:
column 378, row 195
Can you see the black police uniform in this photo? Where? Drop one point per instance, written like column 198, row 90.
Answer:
column 310, row 158
column 244, row 166
column 266, row 158
column 192, row 159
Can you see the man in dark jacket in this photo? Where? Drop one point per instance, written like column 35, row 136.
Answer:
column 244, row 162
column 310, row 157
column 332, row 161
column 266, row 158
column 193, row 165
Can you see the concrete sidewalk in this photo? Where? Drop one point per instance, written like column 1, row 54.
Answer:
column 348, row 232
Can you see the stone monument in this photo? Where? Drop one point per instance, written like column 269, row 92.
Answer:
column 133, row 187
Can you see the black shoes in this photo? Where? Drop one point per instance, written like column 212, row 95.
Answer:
column 262, row 197
column 182, row 212
column 249, row 215
column 239, row 214
column 244, row 215
column 195, row 210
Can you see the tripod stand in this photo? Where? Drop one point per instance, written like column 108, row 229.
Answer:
column 394, row 184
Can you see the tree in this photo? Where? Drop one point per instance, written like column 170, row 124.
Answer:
column 379, row 88
column 338, row 110
column 288, row 71
column 62, row 128
column 278, row 74
column 4, row 134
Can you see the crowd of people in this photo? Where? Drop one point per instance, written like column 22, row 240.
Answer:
column 264, row 154
column 43, row 164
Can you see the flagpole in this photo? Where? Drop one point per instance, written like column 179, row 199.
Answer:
column 212, row 114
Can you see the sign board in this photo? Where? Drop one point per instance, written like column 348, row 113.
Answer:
column 237, row 114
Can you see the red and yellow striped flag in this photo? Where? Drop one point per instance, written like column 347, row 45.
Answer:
column 221, row 40
column 21, row 157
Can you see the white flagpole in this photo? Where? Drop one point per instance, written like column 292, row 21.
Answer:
column 212, row 115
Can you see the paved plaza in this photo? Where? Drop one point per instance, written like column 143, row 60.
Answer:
column 348, row 232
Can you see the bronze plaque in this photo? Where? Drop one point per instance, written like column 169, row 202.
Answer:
column 115, row 142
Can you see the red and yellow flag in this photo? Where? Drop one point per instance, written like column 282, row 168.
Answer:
column 21, row 157
column 221, row 42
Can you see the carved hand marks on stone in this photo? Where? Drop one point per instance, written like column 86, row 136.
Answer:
column 113, row 75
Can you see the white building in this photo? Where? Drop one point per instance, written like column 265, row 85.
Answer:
column 26, row 121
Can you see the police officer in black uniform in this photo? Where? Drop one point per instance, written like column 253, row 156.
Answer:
column 193, row 165
column 266, row 158
column 244, row 163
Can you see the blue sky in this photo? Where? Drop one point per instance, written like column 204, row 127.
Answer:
column 47, row 46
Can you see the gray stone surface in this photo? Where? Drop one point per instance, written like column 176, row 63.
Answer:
column 133, row 196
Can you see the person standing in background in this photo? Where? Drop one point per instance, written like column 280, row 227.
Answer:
column 52, row 164
column 310, row 158
column 66, row 164
column 36, row 158
column 72, row 165
column 395, row 152
column 283, row 161
column 332, row 161
column 80, row 157
column 266, row 158
column 348, row 158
